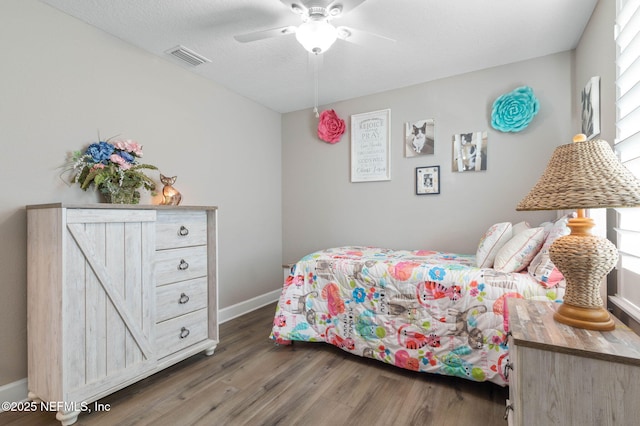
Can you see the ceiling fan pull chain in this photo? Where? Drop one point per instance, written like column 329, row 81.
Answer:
column 315, row 88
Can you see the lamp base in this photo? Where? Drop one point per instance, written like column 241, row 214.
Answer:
column 584, row 260
column 590, row 318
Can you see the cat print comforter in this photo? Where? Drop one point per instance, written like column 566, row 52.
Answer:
column 419, row 310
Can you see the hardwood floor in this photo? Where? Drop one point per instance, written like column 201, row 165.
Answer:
column 251, row 381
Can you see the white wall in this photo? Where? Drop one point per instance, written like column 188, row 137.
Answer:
column 596, row 56
column 61, row 82
column 321, row 208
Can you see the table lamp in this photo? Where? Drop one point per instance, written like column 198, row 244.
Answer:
column 583, row 175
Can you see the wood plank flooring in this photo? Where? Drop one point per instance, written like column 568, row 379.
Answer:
column 251, row 381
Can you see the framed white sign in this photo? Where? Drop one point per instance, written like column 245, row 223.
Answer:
column 370, row 146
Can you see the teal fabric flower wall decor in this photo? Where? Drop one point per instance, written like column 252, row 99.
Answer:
column 513, row 111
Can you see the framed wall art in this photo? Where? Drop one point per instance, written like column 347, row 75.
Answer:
column 419, row 137
column 469, row 152
column 370, row 146
column 427, row 180
column 591, row 108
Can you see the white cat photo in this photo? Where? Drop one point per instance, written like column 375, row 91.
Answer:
column 419, row 138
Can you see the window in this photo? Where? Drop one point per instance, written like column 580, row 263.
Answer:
column 627, row 146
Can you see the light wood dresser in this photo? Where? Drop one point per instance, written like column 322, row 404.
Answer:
column 561, row 375
column 115, row 293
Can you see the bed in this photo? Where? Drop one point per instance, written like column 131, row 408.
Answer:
column 421, row 310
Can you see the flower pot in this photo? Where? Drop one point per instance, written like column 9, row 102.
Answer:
column 121, row 195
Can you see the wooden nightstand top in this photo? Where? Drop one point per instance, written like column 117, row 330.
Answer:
column 532, row 325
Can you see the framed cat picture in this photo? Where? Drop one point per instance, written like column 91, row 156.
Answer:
column 427, row 180
column 419, row 138
column 469, row 152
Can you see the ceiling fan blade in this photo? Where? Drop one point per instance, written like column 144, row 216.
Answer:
column 261, row 35
column 340, row 7
column 363, row 38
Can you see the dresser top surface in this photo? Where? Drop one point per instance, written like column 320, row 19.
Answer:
column 117, row 206
column 532, row 325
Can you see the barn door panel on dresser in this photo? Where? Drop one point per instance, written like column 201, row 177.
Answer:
column 109, row 284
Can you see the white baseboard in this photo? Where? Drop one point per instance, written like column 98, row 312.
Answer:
column 234, row 311
column 14, row 392
column 17, row 391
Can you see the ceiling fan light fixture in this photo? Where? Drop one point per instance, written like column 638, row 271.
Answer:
column 316, row 36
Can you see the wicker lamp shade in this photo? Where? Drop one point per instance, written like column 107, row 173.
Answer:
column 583, row 175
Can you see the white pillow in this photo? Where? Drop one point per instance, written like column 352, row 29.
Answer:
column 541, row 266
column 516, row 254
column 492, row 241
column 519, row 227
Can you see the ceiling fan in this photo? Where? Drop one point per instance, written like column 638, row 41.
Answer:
column 316, row 33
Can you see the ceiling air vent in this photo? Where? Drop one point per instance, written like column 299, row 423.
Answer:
column 188, row 56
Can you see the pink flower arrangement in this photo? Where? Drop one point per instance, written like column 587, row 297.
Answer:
column 124, row 165
column 112, row 167
column 331, row 127
column 130, row 146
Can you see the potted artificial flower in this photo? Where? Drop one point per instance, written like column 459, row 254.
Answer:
column 112, row 167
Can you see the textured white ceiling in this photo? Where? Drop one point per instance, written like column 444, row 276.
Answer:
column 434, row 39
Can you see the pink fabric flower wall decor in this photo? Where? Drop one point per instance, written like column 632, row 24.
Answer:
column 331, row 127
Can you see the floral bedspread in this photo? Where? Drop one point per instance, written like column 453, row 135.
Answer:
column 420, row 310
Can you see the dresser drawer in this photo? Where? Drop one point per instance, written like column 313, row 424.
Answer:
column 181, row 228
column 180, row 298
column 180, row 264
column 178, row 333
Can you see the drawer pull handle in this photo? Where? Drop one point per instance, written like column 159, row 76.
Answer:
column 183, row 232
column 506, row 411
column 183, row 265
column 183, row 299
column 508, row 366
column 184, row 332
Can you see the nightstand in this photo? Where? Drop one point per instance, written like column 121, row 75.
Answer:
column 561, row 375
